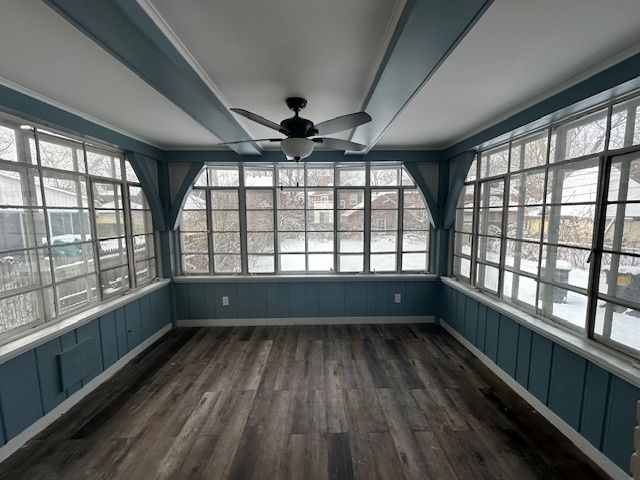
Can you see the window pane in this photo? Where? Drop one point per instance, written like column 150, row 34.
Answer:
column 487, row 277
column 226, row 242
column 143, row 246
column 138, row 200
column 62, row 190
column 384, row 176
column 61, row 154
column 320, row 241
column 130, row 173
column 291, row 176
column 260, row 242
column 195, row 263
column 8, row 147
column 415, row 220
column 462, row 244
column 406, row 178
column 114, row 281
column 350, row 242
column 16, row 189
column 259, row 199
column 584, row 136
column 21, row 228
column 529, row 152
column 522, row 256
column 414, row 261
column 261, row 264
column 224, row 200
column 111, row 253
column 566, row 266
column 566, row 306
column 196, row 200
column 624, row 179
column 320, row 262
column 620, row 277
column 320, row 220
column 491, row 193
column 383, row 262
column 194, row 242
column 291, row 199
column 494, row 162
column 76, row 293
column 291, row 242
column 319, row 199
column 519, row 289
column 291, row 220
column 141, row 222
column 527, row 188
column 384, row 241
column 464, row 221
column 103, row 163
column 319, row 176
column 351, row 263
column 384, row 199
column 109, row 223
column 19, row 270
column 415, row 241
column 490, row 222
column 145, row 271
column 618, row 323
column 351, row 199
column 194, row 221
column 570, row 225
column 227, row 263
column 351, row 220
column 413, row 198
column 258, row 176
column 489, row 249
column 384, row 220
column 351, row 176
column 524, row 223
column 462, row 267
column 107, row 195
column 575, row 183
column 223, row 176
column 473, row 170
column 20, row 310
column 622, row 231
column 260, row 221
column 226, row 221
column 625, row 124
column 292, row 262
column 69, row 226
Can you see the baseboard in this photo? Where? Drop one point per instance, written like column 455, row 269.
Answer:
column 578, row 440
column 35, row 428
column 232, row 322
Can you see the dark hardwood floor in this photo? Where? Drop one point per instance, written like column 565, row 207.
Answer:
column 325, row 402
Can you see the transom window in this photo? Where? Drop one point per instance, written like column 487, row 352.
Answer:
column 551, row 223
column 76, row 228
column 305, row 218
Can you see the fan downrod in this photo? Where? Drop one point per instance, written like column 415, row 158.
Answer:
column 296, row 103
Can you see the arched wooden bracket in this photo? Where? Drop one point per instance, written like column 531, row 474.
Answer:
column 418, row 178
column 463, row 163
column 149, row 182
column 182, row 176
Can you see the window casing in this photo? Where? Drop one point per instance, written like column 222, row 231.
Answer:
column 304, row 218
column 65, row 219
column 550, row 222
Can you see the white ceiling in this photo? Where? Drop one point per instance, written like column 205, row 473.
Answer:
column 255, row 53
column 42, row 52
column 518, row 52
column 259, row 52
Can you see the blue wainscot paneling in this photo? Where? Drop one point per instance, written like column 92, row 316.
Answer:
column 596, row 403
column 312, row 298
column 35, row 382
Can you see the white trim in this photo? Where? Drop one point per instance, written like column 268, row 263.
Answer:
column 380, row 277
column 614, row 362
column 49, row 331
column 39, row 425
column 231, row 322
column 578, row 440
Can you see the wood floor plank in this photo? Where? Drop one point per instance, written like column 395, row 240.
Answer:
column 313, row 402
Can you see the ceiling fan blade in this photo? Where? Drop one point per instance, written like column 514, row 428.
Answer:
column 345, row 122
column 252, row 140
column 258, row 119
column 338, row 144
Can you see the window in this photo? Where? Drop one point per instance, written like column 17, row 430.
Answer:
column 550, row 222
column 311, row 218
column 73, row 228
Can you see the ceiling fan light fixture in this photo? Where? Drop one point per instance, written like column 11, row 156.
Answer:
column 297, row 148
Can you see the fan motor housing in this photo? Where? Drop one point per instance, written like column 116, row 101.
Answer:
column 298, row 127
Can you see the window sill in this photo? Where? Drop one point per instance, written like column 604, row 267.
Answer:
column 46, row 332
column 615, row 362
column 379, row 277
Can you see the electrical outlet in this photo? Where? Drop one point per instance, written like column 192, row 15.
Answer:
column 397, row 298
column 225, row 301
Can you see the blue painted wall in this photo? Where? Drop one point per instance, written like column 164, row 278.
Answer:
column 31, row 383
column 311, row 298
column 596, row 403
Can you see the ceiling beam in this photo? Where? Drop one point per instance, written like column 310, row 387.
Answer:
column 427, row 32
column 124, row 30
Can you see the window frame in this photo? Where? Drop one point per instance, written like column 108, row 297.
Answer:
column 334, row 190
column 595, row 249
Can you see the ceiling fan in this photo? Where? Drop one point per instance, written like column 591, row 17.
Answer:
column 302, row 134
